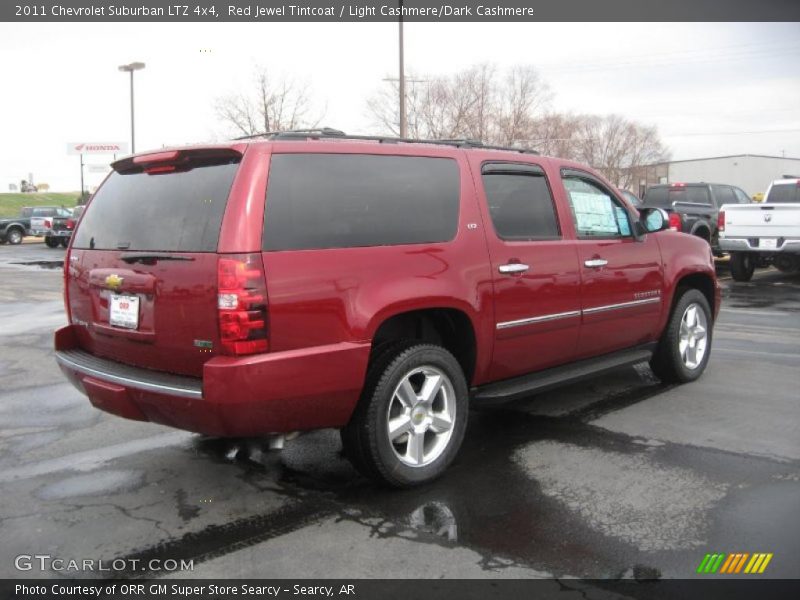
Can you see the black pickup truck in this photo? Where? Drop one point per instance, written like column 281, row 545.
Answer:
column 694, row 207
column 54, row 223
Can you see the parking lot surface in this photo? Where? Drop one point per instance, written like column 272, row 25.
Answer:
column 619, row 476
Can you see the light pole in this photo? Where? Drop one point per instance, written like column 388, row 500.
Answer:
column 130, row 68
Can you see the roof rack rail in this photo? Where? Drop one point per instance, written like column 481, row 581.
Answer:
column 293, row 133
column 329, row 132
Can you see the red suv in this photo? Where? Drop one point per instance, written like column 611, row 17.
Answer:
column 306, row 280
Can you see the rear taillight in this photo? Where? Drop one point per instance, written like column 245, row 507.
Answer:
column 721, row 220
column 48, row 224
column 675, row 223
column 242, row 304
column 70, row 223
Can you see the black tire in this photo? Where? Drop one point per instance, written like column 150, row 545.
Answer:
column 787, row 264
column 14, row 236
column 366, row 438
column 743, row 265
column 668, row 362
column 64, row 242
column 51, row 242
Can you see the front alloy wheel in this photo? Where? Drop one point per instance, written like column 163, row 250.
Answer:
column 693, row 336
column 685, row 346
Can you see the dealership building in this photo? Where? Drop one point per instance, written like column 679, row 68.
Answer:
column 751, row 172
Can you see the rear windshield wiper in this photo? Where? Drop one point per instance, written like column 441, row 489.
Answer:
column 152, row 257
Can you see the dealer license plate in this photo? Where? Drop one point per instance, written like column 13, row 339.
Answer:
column 124, row 311
column 768, row 243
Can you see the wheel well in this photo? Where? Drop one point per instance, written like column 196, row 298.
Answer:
column 447, row 327
column 697, row 281
column 15, row 226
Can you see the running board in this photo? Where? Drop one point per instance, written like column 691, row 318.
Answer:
column 518, row 387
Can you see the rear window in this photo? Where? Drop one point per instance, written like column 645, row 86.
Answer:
column 663, row 197
column 784, row 193
column 350, row 200
column 179, row 211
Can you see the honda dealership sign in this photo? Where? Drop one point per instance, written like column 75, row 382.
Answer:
column 97, row 148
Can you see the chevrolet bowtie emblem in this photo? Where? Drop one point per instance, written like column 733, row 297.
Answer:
column 114, row 281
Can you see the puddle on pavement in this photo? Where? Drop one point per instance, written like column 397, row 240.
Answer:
column 92, row 484
column 42, row 264
column 625, row 495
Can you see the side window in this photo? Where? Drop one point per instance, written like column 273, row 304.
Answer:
column 595, row 211
column 741, row 197
column 355, row 200
column 520, row 202
column 724, row 195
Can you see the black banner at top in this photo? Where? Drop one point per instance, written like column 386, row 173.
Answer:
column 143, row 11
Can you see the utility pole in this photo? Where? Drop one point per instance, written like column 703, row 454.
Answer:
column 402, row 77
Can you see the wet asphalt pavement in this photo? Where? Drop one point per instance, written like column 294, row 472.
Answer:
column 616, row 477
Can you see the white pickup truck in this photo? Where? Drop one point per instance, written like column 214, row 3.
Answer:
column 763, row 234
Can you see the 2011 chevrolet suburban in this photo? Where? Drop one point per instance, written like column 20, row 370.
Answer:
column 309, row 280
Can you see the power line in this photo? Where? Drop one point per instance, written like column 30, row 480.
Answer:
column 664, row 60
column 711, row 133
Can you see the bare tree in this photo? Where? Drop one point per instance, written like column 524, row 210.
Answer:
column 555, row 134
column 617, row 146
column 273, row 104
column 525, row 98
column 476, row 103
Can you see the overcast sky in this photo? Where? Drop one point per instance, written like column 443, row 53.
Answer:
column 711, row 89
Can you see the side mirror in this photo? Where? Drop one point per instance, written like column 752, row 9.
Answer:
column 652, row 220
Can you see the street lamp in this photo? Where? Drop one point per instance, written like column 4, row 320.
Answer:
column 130, row 68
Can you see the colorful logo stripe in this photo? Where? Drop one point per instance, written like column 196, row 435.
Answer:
column 734, row 563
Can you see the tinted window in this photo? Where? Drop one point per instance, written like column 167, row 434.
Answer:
column 44, row 212
column 784, row 193
column 595, row 212
column 724, row 195
column 521, row 206
column 347, row 200
column 179, row 211
column 664, row 196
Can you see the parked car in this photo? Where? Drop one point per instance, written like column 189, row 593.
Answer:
column 694, row 207
column 764, row 234
column 382, row 288
column 58, row 229
column 30, row 221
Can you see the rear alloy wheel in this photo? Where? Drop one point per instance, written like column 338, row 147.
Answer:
column 51, row 242
column 14, row 236
column 742, row 266
column 685, row 346
column 411, row 418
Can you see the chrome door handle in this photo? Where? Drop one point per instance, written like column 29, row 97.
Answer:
column 513, row 268
column 595, row 263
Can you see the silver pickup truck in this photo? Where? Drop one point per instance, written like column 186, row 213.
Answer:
column 759, row 235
